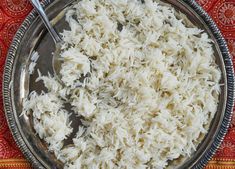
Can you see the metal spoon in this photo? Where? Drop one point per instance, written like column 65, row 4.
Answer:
column 56, row 62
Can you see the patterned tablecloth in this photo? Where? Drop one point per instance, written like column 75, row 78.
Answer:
column 13, row 12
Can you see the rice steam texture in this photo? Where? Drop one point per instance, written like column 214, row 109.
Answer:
column 145, row 84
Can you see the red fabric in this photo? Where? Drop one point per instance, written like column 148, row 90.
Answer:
column 13, row 12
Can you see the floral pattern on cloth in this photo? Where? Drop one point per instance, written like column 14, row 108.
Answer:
column 12, row 14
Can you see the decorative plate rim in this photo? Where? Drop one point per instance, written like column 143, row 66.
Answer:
column 230, row 83
column 203, row 160
column 7, row 87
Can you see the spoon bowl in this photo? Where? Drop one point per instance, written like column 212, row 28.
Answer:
column 56, row 62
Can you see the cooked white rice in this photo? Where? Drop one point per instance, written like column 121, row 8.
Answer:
column 151, row 87
column 33, row 62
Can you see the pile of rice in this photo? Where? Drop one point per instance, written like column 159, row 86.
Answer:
column 145, row 84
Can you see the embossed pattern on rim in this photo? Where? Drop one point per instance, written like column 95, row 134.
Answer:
column 223, row 48
column 7, row 101
column 230, row 83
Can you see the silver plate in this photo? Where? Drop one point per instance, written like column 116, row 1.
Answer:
column 18, row 83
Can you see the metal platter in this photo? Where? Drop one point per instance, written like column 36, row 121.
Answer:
column 18, row 83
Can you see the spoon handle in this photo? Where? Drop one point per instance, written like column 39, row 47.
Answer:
column 38, row 7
